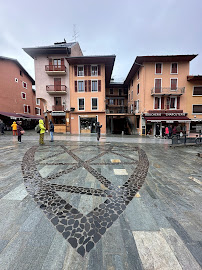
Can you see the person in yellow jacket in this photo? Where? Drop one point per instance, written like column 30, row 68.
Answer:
column 14, row 127
column 42, row 131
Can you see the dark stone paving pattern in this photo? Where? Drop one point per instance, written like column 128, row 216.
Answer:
column 81, row 231
column 170, row 204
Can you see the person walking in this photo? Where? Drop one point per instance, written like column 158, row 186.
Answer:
column 20, row 130
column 178, row 130
column 51, row 130
column 14, row 127
column 98, row 127
column 170, row 131
column 2, row 127
column 166, row 132
column 42, row 131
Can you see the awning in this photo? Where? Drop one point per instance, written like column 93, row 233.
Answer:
column 29, row 116
column 167, row 118
column 11, row 115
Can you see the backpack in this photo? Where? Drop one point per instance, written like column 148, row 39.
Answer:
column 37, row 128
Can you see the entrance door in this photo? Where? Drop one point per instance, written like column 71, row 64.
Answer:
column 57, row 84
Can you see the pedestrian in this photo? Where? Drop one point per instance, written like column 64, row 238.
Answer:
column 98, row 127
column 14, row 127
column 20, row 130
column 42, row 131
column 2, row 127
column 166, row 132
column 178, row 130
column 170, row 131
column 51, row 130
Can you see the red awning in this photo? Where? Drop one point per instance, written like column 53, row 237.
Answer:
column 29, row 116
column 8, row 114
column 166, row 118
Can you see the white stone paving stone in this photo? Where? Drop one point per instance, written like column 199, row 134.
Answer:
column 120, row 172
column 18, row 194
column 154, row 251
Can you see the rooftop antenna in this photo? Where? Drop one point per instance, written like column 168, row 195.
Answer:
column 75, row 33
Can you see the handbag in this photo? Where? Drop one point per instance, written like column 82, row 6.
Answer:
column 22, row 132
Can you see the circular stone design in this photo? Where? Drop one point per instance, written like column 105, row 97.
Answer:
column 82, row 231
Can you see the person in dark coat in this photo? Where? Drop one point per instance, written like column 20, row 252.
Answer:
column 20, row 130
column 51, row 130
column 2, row 127
column 98, row 127
column 170, row 131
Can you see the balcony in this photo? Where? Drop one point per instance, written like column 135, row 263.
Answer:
column 55, row 69
column 58, row 108
column 56, row 89
column 167, row 91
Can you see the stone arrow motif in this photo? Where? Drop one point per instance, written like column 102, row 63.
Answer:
column 82, row 231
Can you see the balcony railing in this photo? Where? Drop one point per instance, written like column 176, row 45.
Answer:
column 56, row 89
column 58, row 108
column 55, row 68
column 167, row 91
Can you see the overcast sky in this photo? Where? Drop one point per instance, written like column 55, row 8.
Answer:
column 126, row 28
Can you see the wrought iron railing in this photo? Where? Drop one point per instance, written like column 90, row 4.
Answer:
column 168, row 91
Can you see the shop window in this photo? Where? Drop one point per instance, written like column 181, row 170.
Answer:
column 174, row 68
column 94, row 103
column 197, row 108
column 197, row 91
column 158, row 68
column 81, row 104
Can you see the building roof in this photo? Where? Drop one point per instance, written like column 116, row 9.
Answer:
column 156, row 58
column 108, row 60
column 117, row 84
column 19, row 65
column 57, row 48
column 194, row 78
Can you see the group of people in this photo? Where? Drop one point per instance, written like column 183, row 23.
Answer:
column 175, row 131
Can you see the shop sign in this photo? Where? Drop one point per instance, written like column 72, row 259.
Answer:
column 175, row 114
column 58, row 113
column 152, row 114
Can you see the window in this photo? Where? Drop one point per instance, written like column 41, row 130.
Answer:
column 23, row 95
column 111, row 101
column 128, row 97
column 21, row 74
column 197, row 91
column 173, row 85
column 111, row 91
column 131, row 108
column 24, row 84
column 94, row 104
column 81, row 104
column 16, row 80
column 94, row 86
column 173, row 103
column 27, row 109
column 37, row 111
column 57, row 62
column 125, row 91
column 137, row 106
column 80, row 86
column 132, row 95
column 121, row 102
column 197, row 108
column 174, row 68
column 94, row 70
column 38, row 101
column 157, row 103
column 158, row 68
column 80, row 71
column 138, row 74
column 120, row 92
column 138, row 88
column 157, row 85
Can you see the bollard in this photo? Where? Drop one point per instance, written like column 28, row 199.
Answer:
column 122, row 133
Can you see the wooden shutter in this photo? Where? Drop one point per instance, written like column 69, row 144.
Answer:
column 173, row 84
column 50, row 64
column 62, row 64
column 168, row 103
column 156, row 103
column 162, row 103
column 178, row 102
column 89, row 86
column 29, row 110
column 99, row 70
column 25, row 108
column 75, row 83
column 157, row 85
column 85, row 70
column 89, row 70
column 99, row 85
column 75, row 70
column 86, row 86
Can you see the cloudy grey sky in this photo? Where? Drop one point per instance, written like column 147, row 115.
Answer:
column 126, row 28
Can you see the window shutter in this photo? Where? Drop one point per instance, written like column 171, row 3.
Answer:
column 156, row 103
column 99, row 70
column 62, row 64
column 89, row 86
column 75, row 86
column 40, row 111
column 86, row 86
column 75, row 70
column 29, row 110
column 85, row 70
column 89, row 70
column 168, row 103
column 99, row 85
column 178, row 102
column 25, row 108
column 162, row 103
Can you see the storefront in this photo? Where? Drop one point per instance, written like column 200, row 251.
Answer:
column 156, row 122
column 88, row 123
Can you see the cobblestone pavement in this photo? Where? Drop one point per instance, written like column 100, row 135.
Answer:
column 81, row 204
